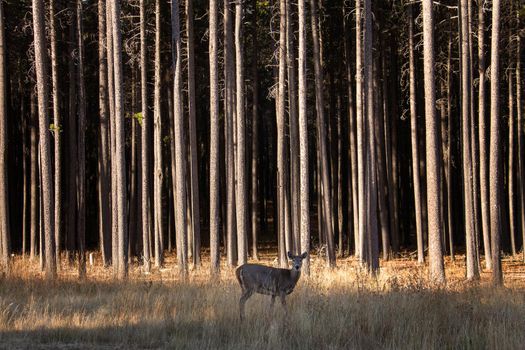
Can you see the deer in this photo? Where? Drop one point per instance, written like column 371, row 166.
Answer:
column 255, row 278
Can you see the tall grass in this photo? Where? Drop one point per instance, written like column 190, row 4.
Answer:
column 336, row 309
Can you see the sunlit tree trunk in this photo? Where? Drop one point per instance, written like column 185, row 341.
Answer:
column 303, row 140
column 4, row 205
column 435, row 229
column 214, row 139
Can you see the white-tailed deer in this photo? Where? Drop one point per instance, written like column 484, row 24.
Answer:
column 267, row 280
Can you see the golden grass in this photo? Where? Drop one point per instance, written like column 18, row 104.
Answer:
column 336, row 309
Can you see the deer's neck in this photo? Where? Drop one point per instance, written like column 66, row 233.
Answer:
column 294, row 274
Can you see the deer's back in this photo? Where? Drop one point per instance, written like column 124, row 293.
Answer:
column 265, row 280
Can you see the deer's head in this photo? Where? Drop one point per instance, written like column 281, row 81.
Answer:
column 297, row 260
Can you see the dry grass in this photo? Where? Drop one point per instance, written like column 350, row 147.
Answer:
column 331, row 310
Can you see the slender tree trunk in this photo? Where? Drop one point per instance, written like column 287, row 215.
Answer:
column 214, row 140
column 468, row 186
column 448, row 171
column 157, row 146
column 81, row 177
column 120, row 159
column 180, row 149
column 195, row 206
column 33, row 178
column 56, row 131
column 511, row 168
column 323, row 153
column 294, row 127
column 45, row 146
column 519, row 112
column 240, row 199
column 495, row 166
column 303, row 140
column 414, row 137
column 353, row 195
column 145, row 131
column 360, row 128
column 4, row 205
column 435, row 229
column 483, row 149
column 255, row 136
column 103, row 165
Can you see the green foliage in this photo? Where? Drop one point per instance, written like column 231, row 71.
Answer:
column 139, row 117
column 54, row 128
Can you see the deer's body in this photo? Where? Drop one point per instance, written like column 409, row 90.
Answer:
column 267, row 280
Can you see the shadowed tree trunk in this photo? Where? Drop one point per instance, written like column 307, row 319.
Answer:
column 214, row 139
column 519, row 116
column 414, row 138
column 145, row 130
column 435, row 229
column 255, row 136
column 44, row 141
column 321, row 137
column 33, row 177
column 4, row 211
column 511, row 168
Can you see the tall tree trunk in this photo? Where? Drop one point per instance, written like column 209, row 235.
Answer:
column 435, row 228
column 229, row 113
column 468, row 186
column 33, row 177
column 81, row 179
column 511, row 168
column 103, row 165
column 360, row 129
column 45, row 146
column 240, row 198
column 281, row 109
column 495, row 166
column 323, row 153
column 119, row 140
column 214, row 139
column 145, row 131
column 294, row 128
column 353, row 193
column 303, row 140
column 56, row 131
column 194, row 152
column 4, row 205
column 414, row 138
column 448, row 171
column 157, row 146
column 521, row 154
column 72, row 147
column 255, row 137
column 180, row 149
column 373, row 255
column 483, row 151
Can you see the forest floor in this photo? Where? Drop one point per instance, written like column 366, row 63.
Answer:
column 343, row 308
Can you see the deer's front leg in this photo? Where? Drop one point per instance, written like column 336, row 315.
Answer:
column 283, row 301
column 272, row 302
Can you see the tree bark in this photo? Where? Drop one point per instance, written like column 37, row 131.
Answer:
column 180, row 149
column 120, row 159
column 4, row 205
column 414, row 138
column 323, row 153
column 495, row 161
column 511, row 168
column 44, row 142
column 303, row 140
column 214, row 140
column 255, row 137
column 240, row 200
column 435, row 229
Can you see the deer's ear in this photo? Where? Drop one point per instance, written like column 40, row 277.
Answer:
column 290, row 256
column 304, row 255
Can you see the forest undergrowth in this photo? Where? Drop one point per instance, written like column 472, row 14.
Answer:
column 342, row 308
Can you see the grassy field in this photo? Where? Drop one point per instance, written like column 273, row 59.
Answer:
column 330, row 310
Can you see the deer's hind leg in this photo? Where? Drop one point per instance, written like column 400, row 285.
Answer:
column 246, row 294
